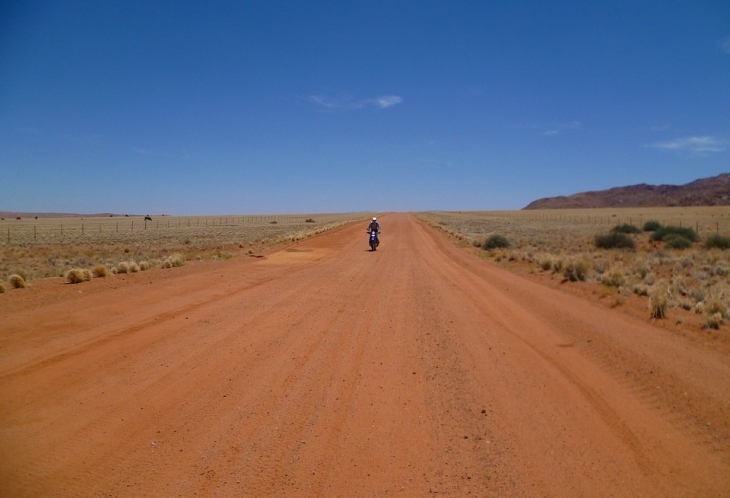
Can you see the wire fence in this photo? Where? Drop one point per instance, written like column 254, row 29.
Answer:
column 130, row 229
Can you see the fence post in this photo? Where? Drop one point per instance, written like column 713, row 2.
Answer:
column 35, row 234
column 8, row 235
column 82, row 229
column 133, row 225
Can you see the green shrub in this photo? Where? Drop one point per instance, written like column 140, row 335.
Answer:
column 664, row 232
column 717, row 242
column 495, row 242
column 676, row 241
column 614, row 240
column 625, row 228
column 652, row 226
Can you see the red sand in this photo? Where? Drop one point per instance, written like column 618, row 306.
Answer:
column 327, row 370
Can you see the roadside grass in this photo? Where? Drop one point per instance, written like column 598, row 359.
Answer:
column 78, row 275
column 51, row 247
column 17, row 281
column 690, row 274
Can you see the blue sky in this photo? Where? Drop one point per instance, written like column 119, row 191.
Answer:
column 266, row 106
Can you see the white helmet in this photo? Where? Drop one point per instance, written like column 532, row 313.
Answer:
column 374, row 218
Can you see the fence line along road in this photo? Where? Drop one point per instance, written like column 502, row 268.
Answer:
column 138, row 229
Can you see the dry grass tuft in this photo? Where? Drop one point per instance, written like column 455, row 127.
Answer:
column 660, row 299
column 99, row 271
column 713, row 321
column 144, row 266
column 575, row 270
column 123, row 267
column 17, row 281
column 133, row 267
column 716, row 302
column 2, row 287
column 173, row 261
column 614, row 277
column 78, row 275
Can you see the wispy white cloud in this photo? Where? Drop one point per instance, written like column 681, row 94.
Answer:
column 388, row 100
column 560, row 128
column 347, row 104
column 698, row 145
column 725, row 45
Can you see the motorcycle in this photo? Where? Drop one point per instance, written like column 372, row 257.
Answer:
column 374, row 242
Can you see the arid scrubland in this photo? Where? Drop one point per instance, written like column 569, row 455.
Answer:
column 65, row 247
column 671, row 273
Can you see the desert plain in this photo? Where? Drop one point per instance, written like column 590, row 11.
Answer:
column 306, row 365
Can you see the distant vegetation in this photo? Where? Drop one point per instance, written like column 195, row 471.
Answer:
column 614, row 240
column 682, row 272
column 496, row 242
column 625, row 228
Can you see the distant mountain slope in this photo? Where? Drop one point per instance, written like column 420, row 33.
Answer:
column 713, row 191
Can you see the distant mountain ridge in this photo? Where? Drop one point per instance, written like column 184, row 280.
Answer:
column 714, row 191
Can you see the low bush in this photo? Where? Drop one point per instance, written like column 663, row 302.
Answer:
column 123, row 267
column 659, row 300
column 173, row 261
column 144, row 266
column 133, row 267
column 652, row 226
column 575, row 270
column 713, row 321
column 2, row 287
column 77, row 275
column 17, row 281
column 662, row 233
column 99, row 271
column 496, row 242
column 676, row 241
column 717, row 242
column 309, row 220
column 614, row 277
column 716, row 302
column 625, row 228
column 614, row 240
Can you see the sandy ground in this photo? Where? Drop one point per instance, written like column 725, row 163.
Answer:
column 327, row 370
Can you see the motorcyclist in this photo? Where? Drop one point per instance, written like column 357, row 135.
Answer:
column 375, row 227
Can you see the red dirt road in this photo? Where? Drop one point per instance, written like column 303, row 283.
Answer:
column 327, row 370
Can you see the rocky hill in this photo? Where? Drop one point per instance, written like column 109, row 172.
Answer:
column 713, row 191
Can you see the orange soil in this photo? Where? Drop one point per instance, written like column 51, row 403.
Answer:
column 327, row 370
